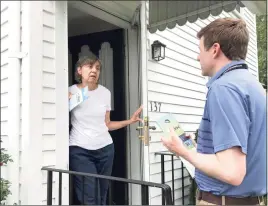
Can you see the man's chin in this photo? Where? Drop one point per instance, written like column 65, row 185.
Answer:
column 204, row 73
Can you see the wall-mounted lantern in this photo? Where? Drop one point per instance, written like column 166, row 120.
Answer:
column 158, row 51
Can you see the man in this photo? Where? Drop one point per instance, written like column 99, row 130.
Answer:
column 230, row 160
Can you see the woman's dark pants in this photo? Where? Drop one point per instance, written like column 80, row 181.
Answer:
column 95, row 162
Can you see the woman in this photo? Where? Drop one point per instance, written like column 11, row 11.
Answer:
column 91, row 146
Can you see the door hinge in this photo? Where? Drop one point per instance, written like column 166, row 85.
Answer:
column 18, row 55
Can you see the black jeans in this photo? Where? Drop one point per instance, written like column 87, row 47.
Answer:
column 91, row 161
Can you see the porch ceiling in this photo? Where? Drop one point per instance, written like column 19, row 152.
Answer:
column 122, row 9
column 166, row 14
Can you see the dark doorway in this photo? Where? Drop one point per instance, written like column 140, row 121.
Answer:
column 116, row 40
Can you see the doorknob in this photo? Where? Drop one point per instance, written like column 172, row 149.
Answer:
column 152, row 127
column 145, row 131
column 139, row 128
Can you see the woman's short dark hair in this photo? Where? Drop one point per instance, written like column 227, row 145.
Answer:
column 82, row 61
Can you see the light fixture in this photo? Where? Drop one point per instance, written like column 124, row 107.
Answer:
column 158, row 51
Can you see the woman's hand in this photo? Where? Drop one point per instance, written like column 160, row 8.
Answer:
column 135, row 117
column 70, row 95
column 114, row 125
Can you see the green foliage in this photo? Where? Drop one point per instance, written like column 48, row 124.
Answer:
column 4, row 158
column 4, row 184
column 261, row 22
column 4, row 189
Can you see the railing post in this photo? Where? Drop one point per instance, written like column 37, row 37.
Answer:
column 83, row 190
column 49, row 187
column 110, row 194
column 97, row 191
column 167, row 196
column 71, row 190
column 163, row 176
column 144, row 195
column 60, row 187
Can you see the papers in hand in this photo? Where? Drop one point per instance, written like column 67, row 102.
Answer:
column 78, row 98
column 168, row 121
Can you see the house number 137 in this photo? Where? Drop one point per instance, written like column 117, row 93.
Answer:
column 155, row 106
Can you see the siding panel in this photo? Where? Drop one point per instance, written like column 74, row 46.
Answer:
column 4, row 71
column 4, row 81
column 4, row 85
column 49, row 94
column 4, row 28
column 4, row 57
column 48, row 64
column 4, row 43
column 252, row 55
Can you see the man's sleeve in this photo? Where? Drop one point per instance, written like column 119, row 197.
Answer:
column 229, row 119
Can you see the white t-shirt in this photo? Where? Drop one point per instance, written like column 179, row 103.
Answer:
column 89, row 129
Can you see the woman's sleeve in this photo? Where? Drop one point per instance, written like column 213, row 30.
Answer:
column 108, row 101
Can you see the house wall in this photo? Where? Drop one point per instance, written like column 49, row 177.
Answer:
column 11, row 170
column 43, row 77
column 49, row 91
column 252, row 55
column 176, row 82
column 45, row 74
column 55, row 81
column 4, row 79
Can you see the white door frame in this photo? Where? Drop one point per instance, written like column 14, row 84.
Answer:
column 62, row 115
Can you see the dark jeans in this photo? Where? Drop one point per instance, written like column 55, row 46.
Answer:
column 91, row 161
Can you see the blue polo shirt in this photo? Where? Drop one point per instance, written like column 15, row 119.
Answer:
column 235, row 115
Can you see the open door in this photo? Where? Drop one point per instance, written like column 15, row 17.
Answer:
column 136, row 95
column 143, row 61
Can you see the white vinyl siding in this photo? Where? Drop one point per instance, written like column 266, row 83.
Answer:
column 4, row 79
column 252, row 55
column 49, row 93
column 176, row 82
column 6, row 172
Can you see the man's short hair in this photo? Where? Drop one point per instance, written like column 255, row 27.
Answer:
column 231, row 34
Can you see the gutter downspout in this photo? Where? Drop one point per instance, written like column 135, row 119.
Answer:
column 14, row 99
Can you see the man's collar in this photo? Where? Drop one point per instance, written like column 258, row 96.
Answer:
column 222, row 70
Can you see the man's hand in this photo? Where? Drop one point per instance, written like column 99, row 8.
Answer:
column 190, row 136
column 214, row 165
column 174, row 144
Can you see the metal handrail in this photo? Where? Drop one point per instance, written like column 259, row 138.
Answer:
column 163, row 154
column 144, row 185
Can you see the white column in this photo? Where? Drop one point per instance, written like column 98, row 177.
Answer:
column 31, row 159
